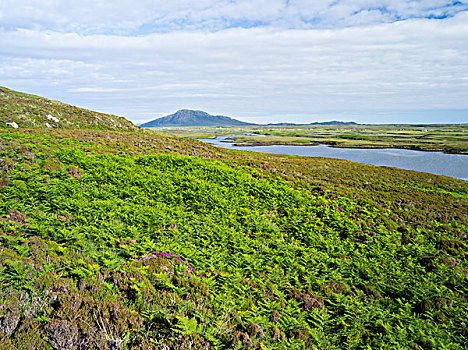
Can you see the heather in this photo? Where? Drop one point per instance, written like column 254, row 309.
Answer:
column 130, row 240
column 20, row 110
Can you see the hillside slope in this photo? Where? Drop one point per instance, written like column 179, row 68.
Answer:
column 114, row 240
column 187, row 117
column 20, row 110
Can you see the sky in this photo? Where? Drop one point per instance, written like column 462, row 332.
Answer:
column 388, row 61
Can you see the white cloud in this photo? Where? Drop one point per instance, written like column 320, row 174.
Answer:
column 145, row 16
column 248, row 73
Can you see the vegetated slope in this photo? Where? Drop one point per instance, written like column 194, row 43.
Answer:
column 22, row 110
column 187, row 117
column 130, row 240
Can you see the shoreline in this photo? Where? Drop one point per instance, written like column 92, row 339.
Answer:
column 256, row 144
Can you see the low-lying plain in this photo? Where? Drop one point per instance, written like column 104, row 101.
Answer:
column 443, row 138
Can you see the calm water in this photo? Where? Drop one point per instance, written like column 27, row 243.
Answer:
column 454, row 165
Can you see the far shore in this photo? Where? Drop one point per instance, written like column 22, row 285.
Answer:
column 255, row 144
column 448, row 138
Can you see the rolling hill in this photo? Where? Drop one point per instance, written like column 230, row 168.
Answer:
column 21, row 110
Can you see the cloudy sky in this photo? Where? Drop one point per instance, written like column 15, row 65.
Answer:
column 370, row 61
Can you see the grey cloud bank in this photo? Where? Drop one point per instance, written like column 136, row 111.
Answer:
column 411, row 70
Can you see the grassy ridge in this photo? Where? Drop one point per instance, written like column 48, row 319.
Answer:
column 22, row 110
column 129, row 240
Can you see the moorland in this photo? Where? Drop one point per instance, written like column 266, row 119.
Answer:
column 448, row 138
column 128, row 239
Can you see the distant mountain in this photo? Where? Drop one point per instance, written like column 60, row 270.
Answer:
column 20, row 110
column 187, row 117
column 333, row 122
column 282, row 124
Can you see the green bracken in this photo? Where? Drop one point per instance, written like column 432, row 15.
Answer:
column 131, row 240
column 134, row 240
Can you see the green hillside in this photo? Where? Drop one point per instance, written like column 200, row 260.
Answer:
column 130, row 240
column 20, row 110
